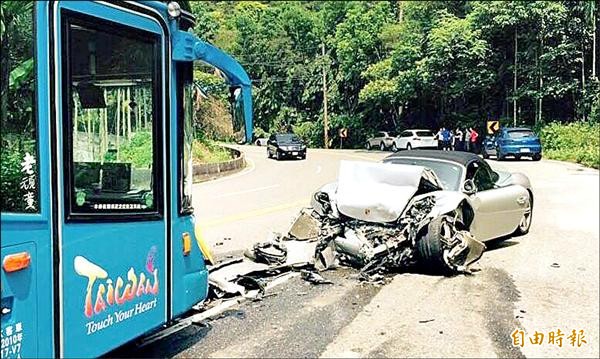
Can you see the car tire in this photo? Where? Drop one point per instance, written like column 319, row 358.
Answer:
column 303, row 157
column 536, row 157
column 485, row 154
column 368, row 146
column 517, row 157
column 525, row 223
column 382, row 146
column 269, row 154
column 408, row 147
column 278, row 155
column 394, row 148
column 429, row 246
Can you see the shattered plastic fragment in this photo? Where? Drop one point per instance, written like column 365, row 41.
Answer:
column 305, row 226
column 313, row 277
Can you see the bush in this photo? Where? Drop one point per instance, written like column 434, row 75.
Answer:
column 575, row 142
column 206, row 151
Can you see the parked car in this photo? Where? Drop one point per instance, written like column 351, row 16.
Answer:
column 513, row 141
column 409, row 139
column 382, row 140
column 493, row 204
column 285, row 145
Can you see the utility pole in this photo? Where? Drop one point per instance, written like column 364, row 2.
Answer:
column 593, row 11
column 325, row 119
column 515, row 83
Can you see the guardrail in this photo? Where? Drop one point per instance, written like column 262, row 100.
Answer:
column 207, row 171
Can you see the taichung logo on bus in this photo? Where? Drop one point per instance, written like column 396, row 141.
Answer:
column 109, row 292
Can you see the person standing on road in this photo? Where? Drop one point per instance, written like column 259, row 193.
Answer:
column 446, row 139
column 467, row 141
column 458, row 139
column 438, row 137
column 473, row 140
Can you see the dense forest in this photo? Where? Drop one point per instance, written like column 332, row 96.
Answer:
column 389, row 65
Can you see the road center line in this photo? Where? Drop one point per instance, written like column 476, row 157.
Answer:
column 229, row 194
column 251, row 214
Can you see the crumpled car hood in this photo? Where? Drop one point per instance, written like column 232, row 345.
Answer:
column 379, row 192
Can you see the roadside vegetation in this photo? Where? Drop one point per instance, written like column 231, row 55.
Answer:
column 575, row 142
column 208, row 151
column 389, row 65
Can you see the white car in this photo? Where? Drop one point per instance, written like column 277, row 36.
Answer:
column 382, row 140
column 409, row 139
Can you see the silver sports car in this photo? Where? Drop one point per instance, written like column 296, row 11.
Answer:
column 494, row 204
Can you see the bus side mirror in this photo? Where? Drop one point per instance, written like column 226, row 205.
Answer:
column 188, row 48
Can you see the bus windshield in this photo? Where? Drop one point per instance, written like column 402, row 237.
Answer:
column 111, row 115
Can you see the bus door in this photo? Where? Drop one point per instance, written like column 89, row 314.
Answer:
column 110, row 159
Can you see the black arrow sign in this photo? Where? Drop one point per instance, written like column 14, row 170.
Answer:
column 493, row 127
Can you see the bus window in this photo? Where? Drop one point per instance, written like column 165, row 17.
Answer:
column 190, row 92
column 19, row 158
column 111, row 120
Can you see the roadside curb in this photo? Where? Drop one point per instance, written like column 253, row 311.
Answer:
column 203, row 172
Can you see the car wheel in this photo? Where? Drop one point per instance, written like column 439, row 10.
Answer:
column 303, row 157
column 536, row 157
column 278, row 155
column 485, row 154
column 368, row 146
column 268, row 153
column 429, row 246
column 408, row 147
column 394, row 148
column 517, row 157
column 382, row 146
column 525, row 222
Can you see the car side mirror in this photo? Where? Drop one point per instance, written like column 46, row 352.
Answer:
column 469, row 187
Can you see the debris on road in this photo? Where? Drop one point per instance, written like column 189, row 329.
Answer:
column 378, row 218
column 313, row 277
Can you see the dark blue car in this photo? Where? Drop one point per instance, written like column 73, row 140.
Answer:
column 513, row 141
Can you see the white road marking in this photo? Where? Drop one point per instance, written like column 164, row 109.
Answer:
column 257, row 189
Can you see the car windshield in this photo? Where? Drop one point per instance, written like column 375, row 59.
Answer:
column 287, row 138
column 516, row 134
column 449, row 174
column 424, row 133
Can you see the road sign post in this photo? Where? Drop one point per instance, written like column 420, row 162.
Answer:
column 343, row 134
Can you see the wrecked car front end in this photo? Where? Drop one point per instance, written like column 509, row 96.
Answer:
column 393, row 218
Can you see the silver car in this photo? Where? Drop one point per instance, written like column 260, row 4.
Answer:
column 382, row 140
column 493, row 204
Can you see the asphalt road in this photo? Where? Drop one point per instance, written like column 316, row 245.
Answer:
column 541, row 282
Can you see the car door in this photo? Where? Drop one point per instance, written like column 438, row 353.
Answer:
column 376, row 140
column 113, row 224
column 405, row 136
column 498, row 210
